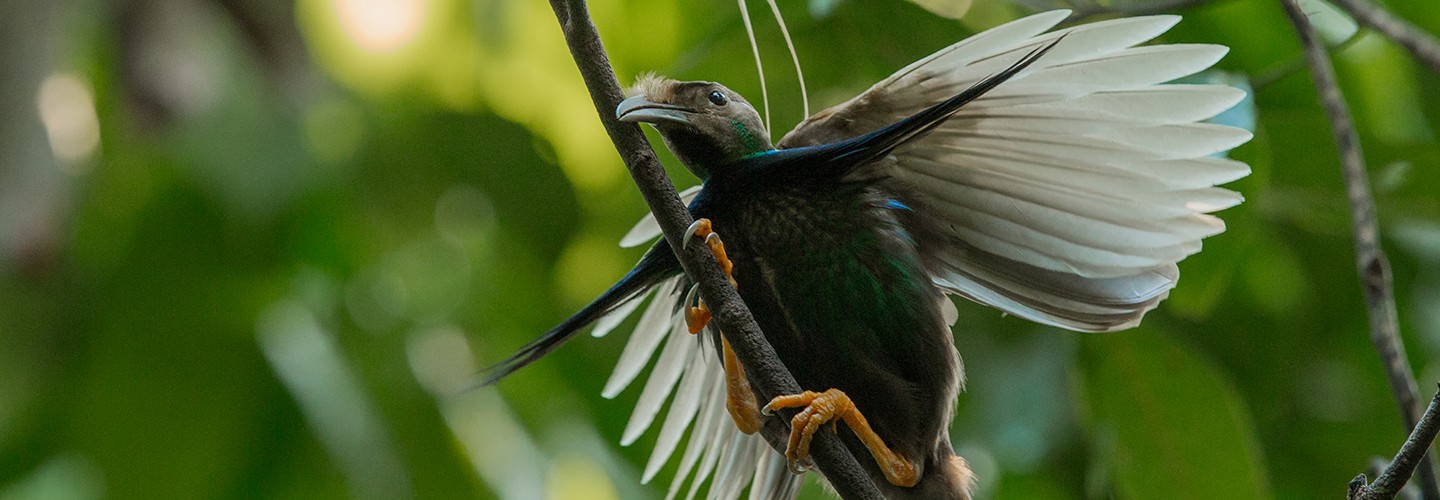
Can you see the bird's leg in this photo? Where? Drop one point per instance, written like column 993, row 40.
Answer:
column 831, row 406
column 698, row 316
column 740, row 400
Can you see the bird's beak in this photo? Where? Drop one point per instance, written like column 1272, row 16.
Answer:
column 640, row 110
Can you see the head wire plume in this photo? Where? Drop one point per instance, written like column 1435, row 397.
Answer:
column 795, row 58
column 759, row 67
column 755, row 48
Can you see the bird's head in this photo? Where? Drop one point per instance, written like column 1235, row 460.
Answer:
column 706, row 125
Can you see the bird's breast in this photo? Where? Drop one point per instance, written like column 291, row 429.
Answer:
column 838, row 288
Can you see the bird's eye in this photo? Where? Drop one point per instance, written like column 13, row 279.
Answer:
column 718, row 98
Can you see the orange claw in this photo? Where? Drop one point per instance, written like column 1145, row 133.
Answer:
column 829, row 407
column 697, row 316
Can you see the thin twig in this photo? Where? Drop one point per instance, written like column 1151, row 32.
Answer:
column 730, row 314
column 1370, row 261
column 1422, row 45
column 1411, row 454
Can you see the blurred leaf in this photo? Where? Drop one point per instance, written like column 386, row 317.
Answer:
column 1420, row 237
column 1334, row 26
column 823, row 8
column 1179, row 429
column 952, row 9
column 1385, row 98
column 63, row 477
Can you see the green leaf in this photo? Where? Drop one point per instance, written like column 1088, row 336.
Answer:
column 1169, row 423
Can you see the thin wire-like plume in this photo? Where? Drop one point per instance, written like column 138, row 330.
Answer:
column 795, row 58
column 755, row 48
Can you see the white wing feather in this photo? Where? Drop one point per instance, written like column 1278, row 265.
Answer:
column 693, row 387
column 1067, row 194
column 647, row 336
column 672, row 363
column 727, row 459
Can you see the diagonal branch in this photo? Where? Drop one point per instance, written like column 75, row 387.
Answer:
column 830, row 455
column 1422, row 45
column 1370, row 261
column 1411, row 454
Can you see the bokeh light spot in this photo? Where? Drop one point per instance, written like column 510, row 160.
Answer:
column 67, row 108
column 381, row 25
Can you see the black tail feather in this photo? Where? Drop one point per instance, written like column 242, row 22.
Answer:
column 658, row 264
column 876, row 145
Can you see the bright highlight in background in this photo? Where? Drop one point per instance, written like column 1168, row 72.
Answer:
column 382, row 46
column 381, row 25
column 67, row 109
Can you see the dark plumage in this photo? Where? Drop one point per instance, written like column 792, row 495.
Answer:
column 821, row 259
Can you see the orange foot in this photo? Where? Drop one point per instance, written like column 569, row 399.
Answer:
column 829, row 407
column 697, row 316
column 740, row 400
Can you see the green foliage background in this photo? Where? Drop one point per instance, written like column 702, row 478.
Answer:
column 273, row 274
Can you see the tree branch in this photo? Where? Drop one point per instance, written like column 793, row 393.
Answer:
column 730, row 314
column 1370, row 261
column 1411, row 454
column 1422, row 45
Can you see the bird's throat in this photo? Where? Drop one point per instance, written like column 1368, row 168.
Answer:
column 752, row 144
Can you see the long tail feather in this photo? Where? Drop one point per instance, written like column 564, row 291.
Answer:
column 658, row 264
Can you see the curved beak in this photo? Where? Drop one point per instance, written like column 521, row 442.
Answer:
column 637, row 109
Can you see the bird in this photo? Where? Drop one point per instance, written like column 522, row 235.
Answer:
column 1056, row 175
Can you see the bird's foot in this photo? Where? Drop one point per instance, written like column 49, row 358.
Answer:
column 739, row 400
column 697, row 316
column 831, row 407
